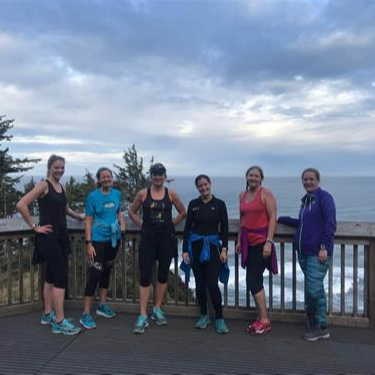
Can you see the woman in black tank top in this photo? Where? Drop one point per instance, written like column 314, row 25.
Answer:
column 157, row 241
column 52, row 242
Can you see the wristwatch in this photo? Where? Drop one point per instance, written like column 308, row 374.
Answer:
column 322, row 247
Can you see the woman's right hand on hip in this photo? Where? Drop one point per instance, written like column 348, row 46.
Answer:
column 44, row 229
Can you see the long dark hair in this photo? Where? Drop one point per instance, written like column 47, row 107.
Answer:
column 199, row 177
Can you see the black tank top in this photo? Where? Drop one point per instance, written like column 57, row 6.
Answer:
column 52, row 209
column 157, row 214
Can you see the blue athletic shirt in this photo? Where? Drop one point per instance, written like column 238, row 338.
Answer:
column 104, row 209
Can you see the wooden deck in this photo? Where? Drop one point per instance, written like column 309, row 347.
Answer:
column 26, row 347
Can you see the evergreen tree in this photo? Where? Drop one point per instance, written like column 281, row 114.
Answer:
column 9, row 168
column 33, row 208
column 131, row 178
column 76, row 192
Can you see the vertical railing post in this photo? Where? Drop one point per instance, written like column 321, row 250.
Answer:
column 371, row 282
column 32, row 268
column 8, row 250
column 236, row 280
column 282, row 276
column 20, row 269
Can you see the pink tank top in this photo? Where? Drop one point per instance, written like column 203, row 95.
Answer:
column 253, row 217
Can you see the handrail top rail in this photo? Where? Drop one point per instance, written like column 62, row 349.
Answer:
column 345, row 229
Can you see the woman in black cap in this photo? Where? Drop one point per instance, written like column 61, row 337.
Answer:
column 157, row 241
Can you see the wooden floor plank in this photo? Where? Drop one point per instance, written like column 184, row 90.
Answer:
column 26, row 347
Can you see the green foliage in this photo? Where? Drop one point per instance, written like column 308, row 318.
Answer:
column 33, row 208
column 9, row 168
column 131, row 177
column 76, row 192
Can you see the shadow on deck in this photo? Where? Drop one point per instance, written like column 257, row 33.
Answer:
column 26, row 347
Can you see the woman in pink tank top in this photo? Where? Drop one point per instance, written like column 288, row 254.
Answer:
column 255, row 242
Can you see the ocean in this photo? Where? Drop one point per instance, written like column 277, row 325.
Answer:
column 354, row 196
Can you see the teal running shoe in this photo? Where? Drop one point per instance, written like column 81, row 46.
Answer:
column 141, row 324
column 48, row 318
column 87, row 321
column 65, row 327
column 158, row 316
column 221, row 326
column 203, row 322
column 105, row 310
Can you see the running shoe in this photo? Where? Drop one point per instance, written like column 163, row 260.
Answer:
column 48, row 318
column 105, row 310
column 141, row 324
column 203, row 322
column 221, row 326
column 158, row 316
column 317, row 333
column 65, row 327
column 259, row 328
column 87, row 321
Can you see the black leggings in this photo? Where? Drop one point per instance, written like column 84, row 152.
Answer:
column 54, row 251
column 206, row 279
column 160, row 246
column 100, row 270
column 256, row 264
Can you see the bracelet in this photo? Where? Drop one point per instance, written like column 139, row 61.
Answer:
column 33, row 226
column 270, row 240
column 88, row 241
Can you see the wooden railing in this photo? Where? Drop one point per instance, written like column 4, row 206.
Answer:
column 350, row 283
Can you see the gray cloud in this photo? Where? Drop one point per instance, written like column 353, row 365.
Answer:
column 195, row 84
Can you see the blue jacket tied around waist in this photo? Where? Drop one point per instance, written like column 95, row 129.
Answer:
column 204, row 255
column 114, row 230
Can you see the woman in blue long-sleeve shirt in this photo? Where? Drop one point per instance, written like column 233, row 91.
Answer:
column 313, row 241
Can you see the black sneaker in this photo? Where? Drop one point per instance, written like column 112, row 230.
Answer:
column 317, row 333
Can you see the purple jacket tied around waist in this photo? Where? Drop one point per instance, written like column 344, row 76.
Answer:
column 245, row 248
column 316, row 225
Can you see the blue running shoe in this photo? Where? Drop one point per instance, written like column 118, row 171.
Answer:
column 203, row 322
column 158, row 316
column 221, row 326
column 87, row 321
column 141, row 324
column 48, row 318
column 106, row 311
column 65, row 327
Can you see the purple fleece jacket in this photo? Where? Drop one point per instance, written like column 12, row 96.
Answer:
column 316, row 225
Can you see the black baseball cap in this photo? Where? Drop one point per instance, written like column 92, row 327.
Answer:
column 158, row 168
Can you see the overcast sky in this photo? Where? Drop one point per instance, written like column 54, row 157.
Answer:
column 203, row 86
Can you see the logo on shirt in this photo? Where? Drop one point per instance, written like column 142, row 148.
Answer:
column 109, row 205
column 196, row 208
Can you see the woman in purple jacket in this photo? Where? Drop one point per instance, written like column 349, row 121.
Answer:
column 313, row 241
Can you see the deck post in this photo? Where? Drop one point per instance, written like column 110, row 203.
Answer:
column 371, row 283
